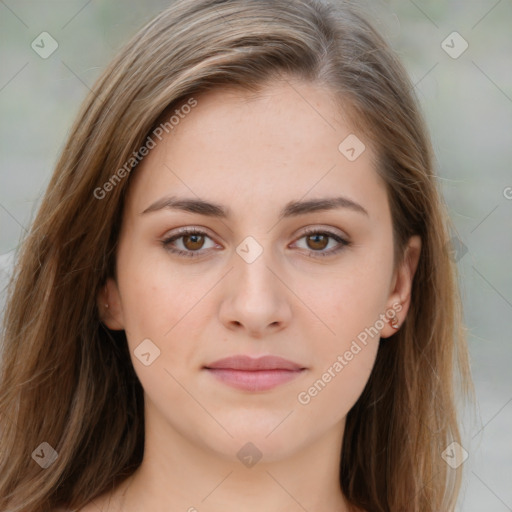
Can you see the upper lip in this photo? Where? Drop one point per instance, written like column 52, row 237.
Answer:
column 242, row 362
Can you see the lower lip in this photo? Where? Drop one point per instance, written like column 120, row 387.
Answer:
column 260, row 380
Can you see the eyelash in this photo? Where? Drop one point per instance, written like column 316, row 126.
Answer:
column 195, row 254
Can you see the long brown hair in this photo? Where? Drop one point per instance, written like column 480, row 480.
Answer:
column 68, row 381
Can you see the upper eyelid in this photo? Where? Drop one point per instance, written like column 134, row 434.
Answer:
column 304, row 231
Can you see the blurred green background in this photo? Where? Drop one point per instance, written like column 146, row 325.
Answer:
column 467, row 102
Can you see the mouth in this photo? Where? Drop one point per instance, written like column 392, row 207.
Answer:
column 254, row 374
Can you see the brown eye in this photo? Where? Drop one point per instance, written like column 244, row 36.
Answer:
column 188, row 242
column 193, row 242
column 317, row 242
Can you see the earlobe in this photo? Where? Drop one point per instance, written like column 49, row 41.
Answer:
column 109, row 306
column 400, row 296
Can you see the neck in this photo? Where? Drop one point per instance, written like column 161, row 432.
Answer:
column 179, row 475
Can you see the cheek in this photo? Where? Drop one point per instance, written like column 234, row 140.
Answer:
column 333, row 391
column 165, row 304
column 160, row 313
column 157, row 296
column 350, row 302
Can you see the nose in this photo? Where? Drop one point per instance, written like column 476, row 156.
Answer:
column 256, row 300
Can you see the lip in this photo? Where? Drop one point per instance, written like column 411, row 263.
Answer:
column 248, row 363
column 254, row 374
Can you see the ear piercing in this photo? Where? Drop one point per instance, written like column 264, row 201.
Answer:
column 106, row 305
column 394, row 323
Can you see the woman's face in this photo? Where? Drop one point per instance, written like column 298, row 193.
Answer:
column 253, row 281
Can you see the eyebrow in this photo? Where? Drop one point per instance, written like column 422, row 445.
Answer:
column 291, row 209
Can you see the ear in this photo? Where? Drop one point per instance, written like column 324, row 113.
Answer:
column 109, row 306
column 400, row 291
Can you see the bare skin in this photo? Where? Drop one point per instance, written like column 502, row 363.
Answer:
column 252, row 154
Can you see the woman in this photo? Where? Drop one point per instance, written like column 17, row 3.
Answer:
column 236, row 292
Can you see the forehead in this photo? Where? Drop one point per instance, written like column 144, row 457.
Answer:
column 238, row 147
